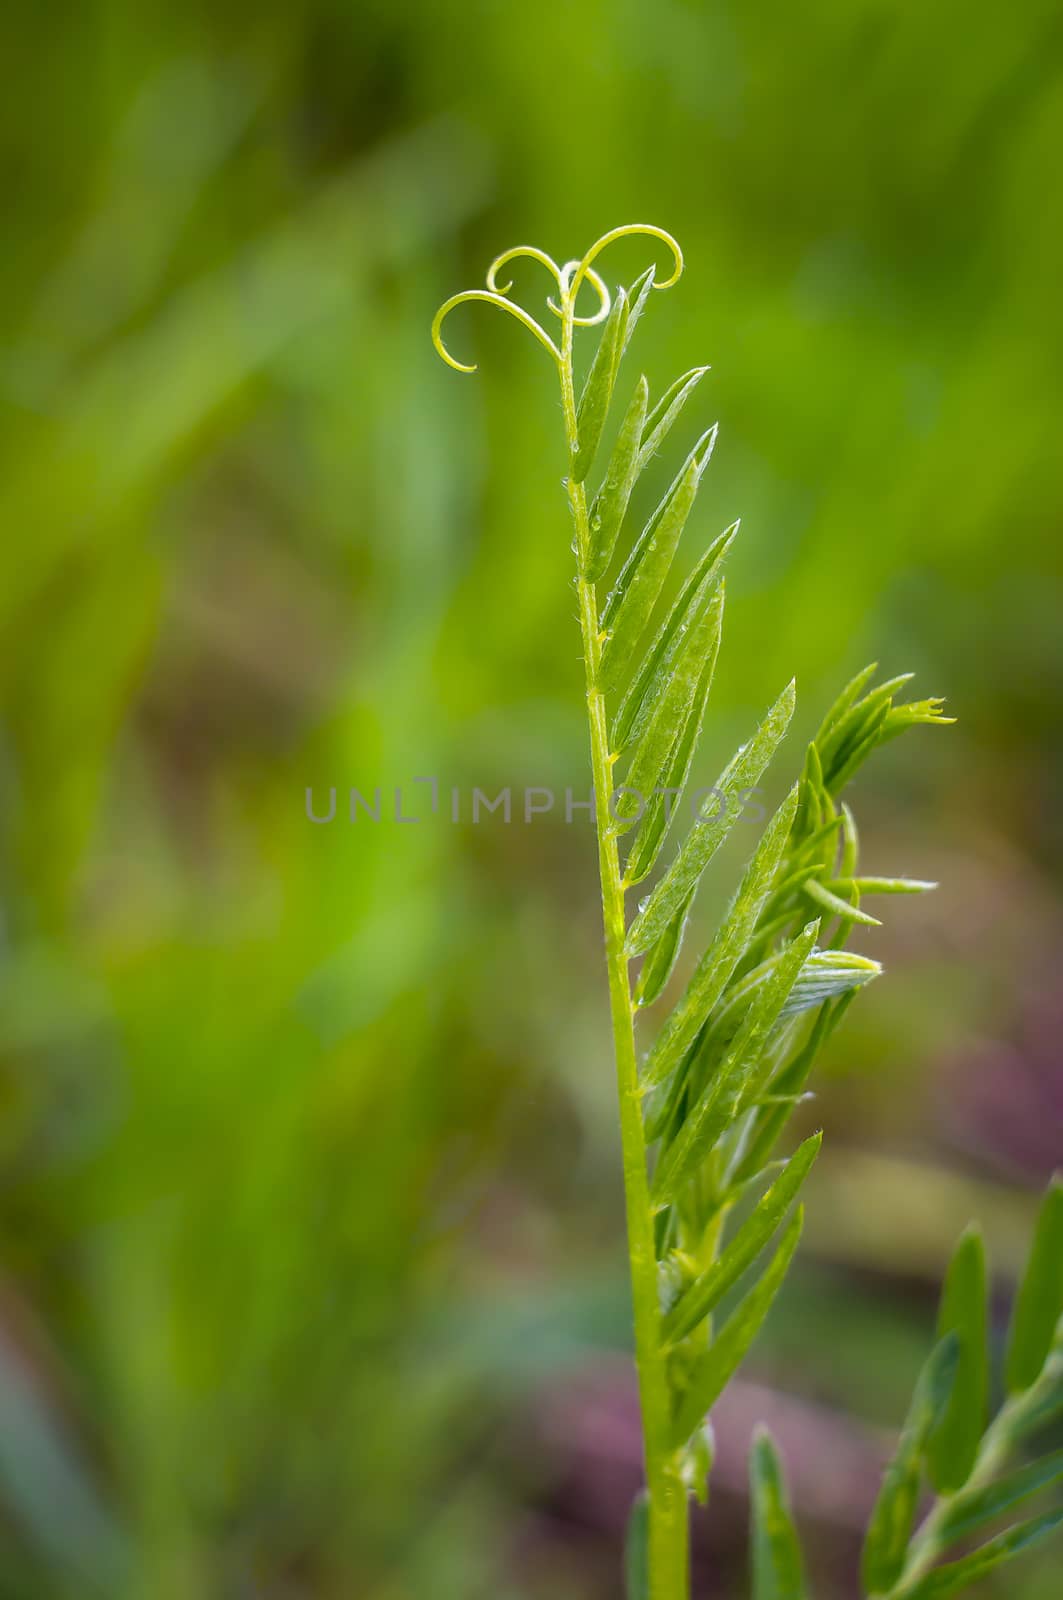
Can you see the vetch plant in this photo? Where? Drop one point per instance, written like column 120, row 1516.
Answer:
column 706, row 1097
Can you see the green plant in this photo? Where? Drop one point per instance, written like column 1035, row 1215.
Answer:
column 702, row 1115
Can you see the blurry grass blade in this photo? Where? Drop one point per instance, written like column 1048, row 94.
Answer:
column 667, row 745
column 598, row 389
column 707, row 1291
column 973, row 1509
column 837, row 907
column 890, row 1529
column 660, row 961
column 778, row 1570
column 717, row 965
column 957, row 1576
column 1039, row 1303
column 627, row 611
column 954, row 1441
column 731, row 1086
column 637, row 1550
column 610, row 504
column 665, row 412
column 655, row 671
column 713, row 1371
column 743, row 772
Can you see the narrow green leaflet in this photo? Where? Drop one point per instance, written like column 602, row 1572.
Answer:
column 610, row 504
column 598, row 389
column 734, row 1083
column 717, row 965
column 637, row 1550
column 849, row 696
column 828, row 974
column 914, row 714
column 770, row 1121
column 653, row 828
column 666, row 411
column 838, row 908
column 660, row 962
column 881, row 885
column 954, row 1441
column 637, row 296
column 778, row 1570
column 655, row 670
column 890, row 1529
column 959, row 1575
column 1039, row 1303
column 974, row 1508
column 714, row 1370
column 853, row 727
column 706, row 1292
column 742, row 773
column 628, row 609
column 1043, row 1403
column 679, row 708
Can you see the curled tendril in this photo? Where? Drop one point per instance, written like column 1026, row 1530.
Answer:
column 492, row 299
column 583, row 268
column 569, row 280
column 533, row 253
column 605, row 299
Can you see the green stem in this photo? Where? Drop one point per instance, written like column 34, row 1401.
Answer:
column 668, row 1521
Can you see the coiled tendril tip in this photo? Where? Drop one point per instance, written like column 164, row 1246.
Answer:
column 569, row 280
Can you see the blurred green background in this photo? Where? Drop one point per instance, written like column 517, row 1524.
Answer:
column 311, row 1266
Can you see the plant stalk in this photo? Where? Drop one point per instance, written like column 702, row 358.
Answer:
column 668, row 1517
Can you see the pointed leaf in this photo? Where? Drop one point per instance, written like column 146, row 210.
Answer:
column 828, row 974
column 891, row 1524
column 735, row 1080
column 778, row 1570
column 678, row 709
column 628, row 609
column 598, row 389
column 714, row 1370
column 956, row 1576
column 838, row 908
column 610, row 503
column 665, row 412
column 843, row 886
column 655, row 671
column 953, row 1444
column 742, row 773
column 853, row 724
column 850, row 842
column 706, row 1292
column 971, row 1510
column 660, row 812
column 848, row 697
column 769, row 1123
column 660, row 961
column 1039, row 1303
column 637, row 296
column 717, row 965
